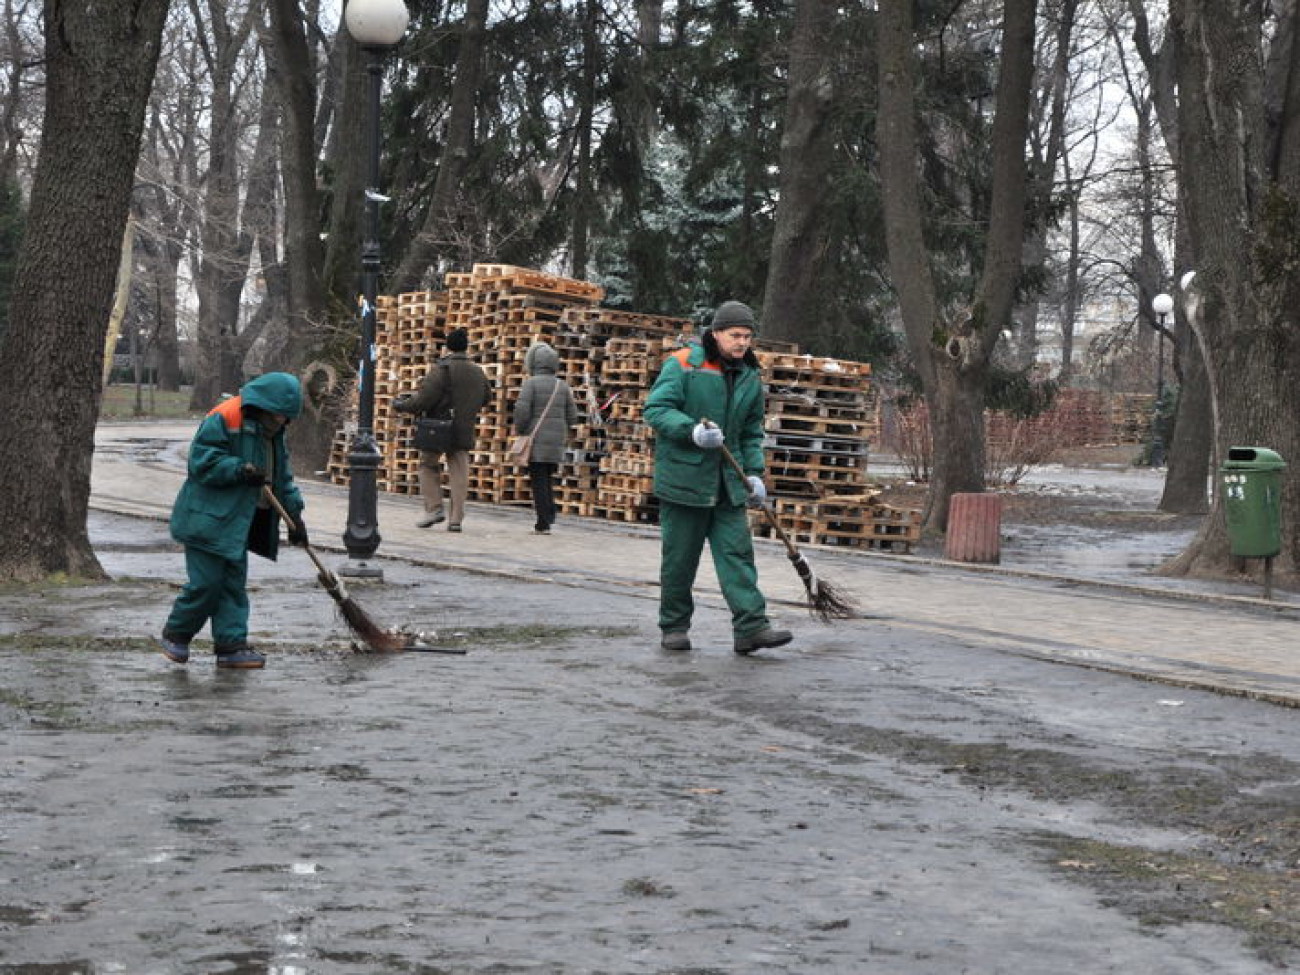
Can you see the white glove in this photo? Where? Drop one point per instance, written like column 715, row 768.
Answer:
column 707, row 437
column 757, row 491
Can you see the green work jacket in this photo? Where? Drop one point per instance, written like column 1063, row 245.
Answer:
column 216, row 510
column 691, row 388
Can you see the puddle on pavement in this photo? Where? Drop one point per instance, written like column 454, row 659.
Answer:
column 1110, row 556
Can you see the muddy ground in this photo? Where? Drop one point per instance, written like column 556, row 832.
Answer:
column 566, row 798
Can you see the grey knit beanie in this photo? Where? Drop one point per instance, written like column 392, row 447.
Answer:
column 731, row 314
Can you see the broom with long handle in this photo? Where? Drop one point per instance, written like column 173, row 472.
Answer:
column 825, row 601
column 357, row 619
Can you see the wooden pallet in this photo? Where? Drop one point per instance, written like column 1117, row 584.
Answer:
column 819, row 409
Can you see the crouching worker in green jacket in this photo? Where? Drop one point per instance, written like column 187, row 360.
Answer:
column 700, row 496
column 221, row 515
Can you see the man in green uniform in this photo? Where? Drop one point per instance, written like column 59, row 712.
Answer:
column 700, row 496
column 220, row 515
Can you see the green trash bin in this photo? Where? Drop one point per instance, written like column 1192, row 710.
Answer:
column 1252, row 501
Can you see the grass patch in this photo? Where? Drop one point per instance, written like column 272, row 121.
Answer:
column 81, row 643
column 120, row 402
column 1164, row 888
column 526, row 634
column 58, row 580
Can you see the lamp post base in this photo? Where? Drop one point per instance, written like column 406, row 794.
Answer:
column 361, row 570
column 361, row 538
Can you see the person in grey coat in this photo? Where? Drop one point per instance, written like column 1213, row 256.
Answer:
column 551, row 425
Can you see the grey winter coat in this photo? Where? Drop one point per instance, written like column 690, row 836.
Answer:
column 454, row 387
column 542, row 362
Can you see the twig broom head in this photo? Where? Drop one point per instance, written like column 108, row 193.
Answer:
column 358, row 620
column 825, row 601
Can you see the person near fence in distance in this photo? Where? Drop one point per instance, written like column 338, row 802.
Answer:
column 456, row 388
column 221, row 514
column 545, row 411
column 701, row 498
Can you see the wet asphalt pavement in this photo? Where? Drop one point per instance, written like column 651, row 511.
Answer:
column 971, row 779
column 567, row 799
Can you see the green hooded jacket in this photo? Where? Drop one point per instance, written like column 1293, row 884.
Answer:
column 216, row 510
column 691, row 387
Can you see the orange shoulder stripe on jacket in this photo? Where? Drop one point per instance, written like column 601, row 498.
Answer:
column 682, row 355
column 231, row 412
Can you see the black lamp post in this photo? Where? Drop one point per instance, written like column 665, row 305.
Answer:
column 376, row 25
column 1162, row 304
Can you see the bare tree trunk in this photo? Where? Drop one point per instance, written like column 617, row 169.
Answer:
column 1071, row 298
column 455, row 156
column 164, row 267
column 584, row 203
column 299, row 278
column 952, row 355
column 14, row 104
column 1047, row 146
column 347, row 160
column 100, row 62
column 807, row 147
column 1241, row 204
column 223, row 267
column 303, row 251
column 1190, row 447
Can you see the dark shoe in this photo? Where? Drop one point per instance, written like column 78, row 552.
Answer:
column 240, row 658
column 762, row 640
column 431, row 518
column 678, row 641
column 175, row 650
column 541, row 530
column 453, row 528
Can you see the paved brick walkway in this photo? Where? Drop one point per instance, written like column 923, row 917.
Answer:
column 1230, row 643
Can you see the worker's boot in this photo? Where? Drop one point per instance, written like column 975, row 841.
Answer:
column 177, row 651
column 242, row 657
column 764, row 639
column 677, row 641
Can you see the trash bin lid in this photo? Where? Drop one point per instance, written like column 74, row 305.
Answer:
column 1253, row 459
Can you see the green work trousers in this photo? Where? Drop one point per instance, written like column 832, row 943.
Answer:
column 217, row 590
column 683, row 531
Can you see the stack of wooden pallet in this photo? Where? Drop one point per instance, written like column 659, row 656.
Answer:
column 821, row 417
column 821, row 411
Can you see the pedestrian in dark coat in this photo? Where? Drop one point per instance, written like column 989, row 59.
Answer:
column 456, row 388
column 700, row 497
column 549, row 425
column 221, row 514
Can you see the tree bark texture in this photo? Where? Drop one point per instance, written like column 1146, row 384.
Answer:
column 584, row 204
column 303, row 251
column 226, row 244
column 347, row 161
column 951, row 351
column 1190, row 448
column 1241, row 211
column 807, row 146
column 456, row 151
column 100, row 61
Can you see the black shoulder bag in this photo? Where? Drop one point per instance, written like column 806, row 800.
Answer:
column 434, row 433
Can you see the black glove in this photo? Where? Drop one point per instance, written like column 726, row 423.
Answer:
column 252, row 474
column 297, row 531
column 402, row 404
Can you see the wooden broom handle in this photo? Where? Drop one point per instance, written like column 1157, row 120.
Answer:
column 275, row 503
column 768, row 512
